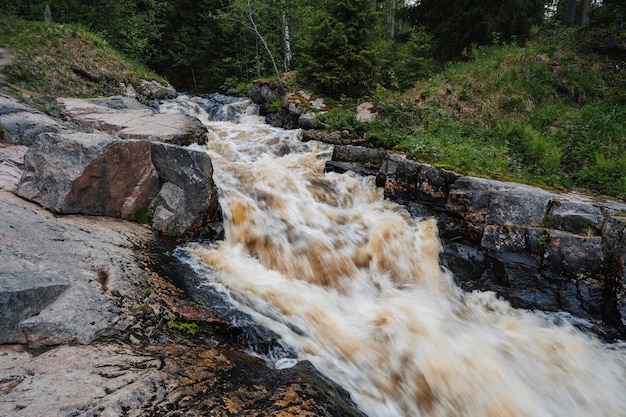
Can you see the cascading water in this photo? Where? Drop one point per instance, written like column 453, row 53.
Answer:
column 353, row 284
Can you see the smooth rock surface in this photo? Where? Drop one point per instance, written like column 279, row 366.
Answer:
column 21, row 124
column 128, row 119
column 62, row 277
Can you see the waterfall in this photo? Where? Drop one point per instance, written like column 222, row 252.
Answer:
column 353, row 284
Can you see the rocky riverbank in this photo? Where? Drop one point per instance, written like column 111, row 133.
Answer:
column 538, row 249
column 90, row 323
column 559, row 252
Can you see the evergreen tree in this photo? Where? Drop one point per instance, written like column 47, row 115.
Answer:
column 458, row 24
column 342, row 54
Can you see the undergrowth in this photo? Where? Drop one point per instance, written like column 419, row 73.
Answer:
column 65, row 60
column 551, row 113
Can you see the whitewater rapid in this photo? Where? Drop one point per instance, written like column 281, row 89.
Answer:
column 353, row 284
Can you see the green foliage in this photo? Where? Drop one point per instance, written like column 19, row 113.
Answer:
column 457, row 25
column 130, row 26
column 140, row 310
column 191, row 329
column 61, row 60
column 545, row 113
column 342, row 55
column 340, row 120
column 144, row 216
column 537, row 153
column 542, row 241
column 244, row 87
column 275, row 106
column 408, row 59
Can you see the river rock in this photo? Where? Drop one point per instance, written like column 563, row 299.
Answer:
column 574, row 255
column 265, row 93
column 147, row 90
column 361, row 160
column 407, row 180
column 21, row 125
column 128, row 119
column 308, row 121
column 89, row 173
column 188, row 198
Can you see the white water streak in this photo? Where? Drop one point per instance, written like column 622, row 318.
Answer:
column 354, row 285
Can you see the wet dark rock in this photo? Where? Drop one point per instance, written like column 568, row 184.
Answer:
column 220, row 107
column 466, row 261
column 265, row 93
column 403, row 179
column 538, row 249
column 517, row 277
column 574, row 255
column 583, row 218
column 188, row 198
column 308, row 121
column 363, row 161
column 333, row 138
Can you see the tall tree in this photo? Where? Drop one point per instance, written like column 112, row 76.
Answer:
column 572, row 10
column 458, row 24
column 342, row 54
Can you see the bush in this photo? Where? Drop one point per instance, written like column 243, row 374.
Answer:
column 540, row 154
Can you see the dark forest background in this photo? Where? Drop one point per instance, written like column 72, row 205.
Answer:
column 338, row 47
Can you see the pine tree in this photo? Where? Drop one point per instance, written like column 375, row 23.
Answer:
column 343, row 49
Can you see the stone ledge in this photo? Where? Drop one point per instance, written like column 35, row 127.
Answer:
column 539, row 249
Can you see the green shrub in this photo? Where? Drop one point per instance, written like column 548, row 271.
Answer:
column 340, row 119
column 184, row 327
column 542, row 155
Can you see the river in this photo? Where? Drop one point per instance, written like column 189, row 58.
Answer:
column 353, row 284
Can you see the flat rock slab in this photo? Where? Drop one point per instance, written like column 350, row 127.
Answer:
column 78, row 380
column 128, row 119
column 64, row 279
column 21, row 125
column 11, row 164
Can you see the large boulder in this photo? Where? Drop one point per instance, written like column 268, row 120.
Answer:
column 99, row 174
column 147, row 90
column 188, row 198
column 89, row 173
column 265, row 93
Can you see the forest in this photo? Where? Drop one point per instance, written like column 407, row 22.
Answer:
column 343, row 47
column 528, row 90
